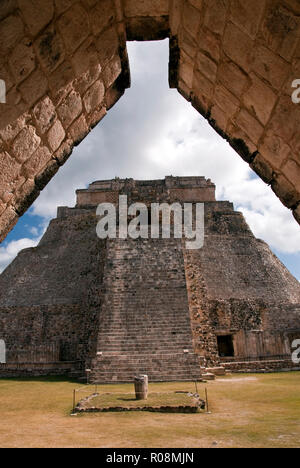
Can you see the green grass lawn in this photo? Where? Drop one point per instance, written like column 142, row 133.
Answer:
column 247, row 411
column 117, row 400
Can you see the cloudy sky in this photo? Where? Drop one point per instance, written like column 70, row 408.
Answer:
column 150, row 133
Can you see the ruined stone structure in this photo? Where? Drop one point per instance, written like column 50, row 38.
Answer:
column 122, row 307
column 65, row 65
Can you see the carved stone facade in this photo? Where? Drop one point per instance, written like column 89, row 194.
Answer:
column 64, row 63
column 122, row 306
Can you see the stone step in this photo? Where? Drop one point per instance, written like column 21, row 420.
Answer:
column 158, row 349
column 98, row 365
column 154, row 325
column 133, row 367
column 144, row 342
column 145, row 321
column 109, row 377
column 145, row 333
column 159, row 332
column 145, row 337
column 162, row 355
column 144, row 326
column 114, row 361
column 135, row 352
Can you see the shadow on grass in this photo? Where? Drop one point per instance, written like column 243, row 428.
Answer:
column 127, row 399
column 44, row 379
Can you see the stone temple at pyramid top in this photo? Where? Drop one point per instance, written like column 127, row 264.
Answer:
column 171, row 189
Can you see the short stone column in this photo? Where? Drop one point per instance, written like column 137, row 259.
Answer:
column 141, row 387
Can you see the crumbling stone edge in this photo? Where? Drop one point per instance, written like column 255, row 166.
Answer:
column 81, row 407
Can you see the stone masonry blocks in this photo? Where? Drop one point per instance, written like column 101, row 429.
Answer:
column 36, row 18
column 124, row 306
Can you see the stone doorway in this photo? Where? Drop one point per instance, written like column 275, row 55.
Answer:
column 225, row 346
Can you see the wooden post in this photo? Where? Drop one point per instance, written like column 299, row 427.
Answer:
column 74, row 400
column 141, row 387
column 206, row 397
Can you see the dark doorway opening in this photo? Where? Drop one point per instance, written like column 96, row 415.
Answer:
column 225, row 346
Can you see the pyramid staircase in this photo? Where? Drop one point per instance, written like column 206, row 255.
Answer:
column 145, row 323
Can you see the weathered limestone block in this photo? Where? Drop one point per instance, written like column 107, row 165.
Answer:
column 34, row 87
column 8, row 218
column 226, row 101
column 25, row 196
column 238, row 46
column 270, row 66
column 83, row 83
column 70, row 109
column 45, row 114
column 111, row 72
column 247, row 15
column 232, row 78
column 9, row 169
column 36, row 163
column 78, row 130
column 280, row 29
column 285, row 120
column 291, row 170
column 146, row 8
column 191, row 19
column 56, row 136
column 262, row 168
column 215, row 16
column 274, row 149
column 22, row 60
column 286, row 191
column 74, row 27
column 107, row 45
column 85, row 58
column 50, row 49
column 25, row 144
column 36, row 18
column 250, row 125
column 207, row 66
column 7, row 7
column 94, row 97
column 12, row 30
column 102, row 16
column 260, row 99
column 61, row 79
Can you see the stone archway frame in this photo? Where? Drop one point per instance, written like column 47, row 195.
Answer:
column 65, row 65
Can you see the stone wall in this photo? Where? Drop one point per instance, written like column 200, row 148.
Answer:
column 273, row 365
column 50, row 296
column 65, row 65
column 36, row 369
column 118, row 306
column 237, row 287
column 171, row 189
